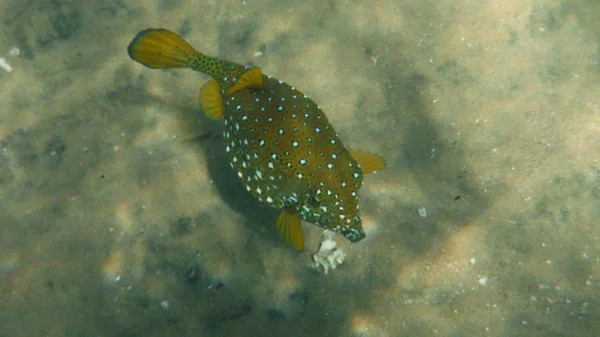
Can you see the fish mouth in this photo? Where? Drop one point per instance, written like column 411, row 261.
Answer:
column 354, row 234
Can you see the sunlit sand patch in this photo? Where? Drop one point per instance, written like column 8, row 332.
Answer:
column 454, row 260
column 158, row 85
column 275, row 27
column 284, row 286
column 364, row 325
column 281, row 287
column 219, row 267
column 124, row 218
column 190, row 175
column 165, row 129
column 370, row 224
column 453, row 263
column 113, row 266
column 581, row 138
column 310, row 80
column 390, row 192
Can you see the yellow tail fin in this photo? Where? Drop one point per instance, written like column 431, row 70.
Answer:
column 161, row 48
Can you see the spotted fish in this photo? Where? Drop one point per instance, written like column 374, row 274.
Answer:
column 279, row 142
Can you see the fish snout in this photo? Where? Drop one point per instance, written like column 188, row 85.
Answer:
column 354, row 233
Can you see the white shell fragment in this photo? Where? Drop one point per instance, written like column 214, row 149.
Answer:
column 328, row 256
column 422, row 212
column 14, row 51
column 5, row 65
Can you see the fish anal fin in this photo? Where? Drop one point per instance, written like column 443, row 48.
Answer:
column 252, row 78
column 290, row 229
column 211, row 100
column 368, row 162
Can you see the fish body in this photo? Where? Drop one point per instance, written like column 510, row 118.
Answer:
column 278, row 141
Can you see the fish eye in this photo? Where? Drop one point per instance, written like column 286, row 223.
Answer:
column 313, row 201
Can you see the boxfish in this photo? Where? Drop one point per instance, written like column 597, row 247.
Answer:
column 278, row 141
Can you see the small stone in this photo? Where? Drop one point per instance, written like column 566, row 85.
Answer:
column 5, row 65
column 422, row 212
column 14, row 51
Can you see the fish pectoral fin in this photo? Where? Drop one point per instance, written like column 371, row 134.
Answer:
column 290, row 229
column 211, row 99
column 368, row 162
column 161, row 48
column 252, row 78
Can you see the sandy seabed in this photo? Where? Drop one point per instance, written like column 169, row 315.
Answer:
column 120, row 215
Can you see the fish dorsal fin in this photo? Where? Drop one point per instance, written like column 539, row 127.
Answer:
column 250, row 79
column 368, row 162
column 290, row 229
column 211, row 100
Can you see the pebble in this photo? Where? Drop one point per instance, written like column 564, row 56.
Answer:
column 5, row 65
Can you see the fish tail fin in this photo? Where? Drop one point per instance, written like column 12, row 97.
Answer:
column 161, row 48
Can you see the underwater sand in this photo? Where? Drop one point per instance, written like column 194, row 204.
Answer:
column 120, row 215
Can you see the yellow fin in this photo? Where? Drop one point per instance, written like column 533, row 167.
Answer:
column 290, row 229
column 250, row 79
column 211, row 100
column 368, row 162
column 161, row 48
